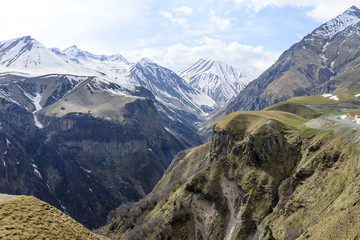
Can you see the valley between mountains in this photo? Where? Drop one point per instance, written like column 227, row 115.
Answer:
column 137, row 151
column 88, row 132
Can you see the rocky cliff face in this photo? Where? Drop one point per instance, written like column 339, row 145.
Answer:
column 81, row 144
column 261, row 177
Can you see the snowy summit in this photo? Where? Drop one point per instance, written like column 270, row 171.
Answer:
column 26, row 55
column 217, row 79
column 339, row 24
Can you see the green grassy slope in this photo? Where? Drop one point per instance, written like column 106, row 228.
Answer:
column 263, row 176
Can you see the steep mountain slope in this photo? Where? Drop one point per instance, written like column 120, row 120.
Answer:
column 346, row 82
column 218, row 80
column 180, row 106
column 263, row 176
column 88, row 142
column 82, row 144
column 170, row 89
column 24, row 217
column 85, row 144
column 26, row 55
column 328, row 51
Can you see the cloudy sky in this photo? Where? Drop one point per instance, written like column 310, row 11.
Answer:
column 249, row 34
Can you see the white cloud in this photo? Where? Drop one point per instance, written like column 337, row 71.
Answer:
column 71, row 21
column 250, row 59
column 177, row 20
column 322, row 10
column 218, row 23
column 185, row 10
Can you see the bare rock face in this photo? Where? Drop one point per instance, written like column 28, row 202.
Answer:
column 82, row 145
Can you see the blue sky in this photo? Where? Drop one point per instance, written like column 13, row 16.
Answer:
column 249, row 34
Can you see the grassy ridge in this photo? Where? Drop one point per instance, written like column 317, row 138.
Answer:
column 320, row 100
column 264, row 174
column 302, row 106
column 25, row 217
column 248, row 121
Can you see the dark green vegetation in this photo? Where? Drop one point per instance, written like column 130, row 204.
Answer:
column 264, row 175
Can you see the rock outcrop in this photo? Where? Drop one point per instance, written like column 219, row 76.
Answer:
column 261, row 177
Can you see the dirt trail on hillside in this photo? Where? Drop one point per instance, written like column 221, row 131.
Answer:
column 339, row 126
column 346, row 122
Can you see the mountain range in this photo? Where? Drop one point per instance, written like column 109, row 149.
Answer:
column 86, row 132
column 267, row 174
column 306, row 66
column 315, row 65
column 289, row 171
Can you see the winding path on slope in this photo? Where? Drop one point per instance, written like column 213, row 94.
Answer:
column 348, row 123
column 339, row 126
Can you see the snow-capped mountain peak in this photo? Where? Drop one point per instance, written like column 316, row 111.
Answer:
column 77, row 54
column 169, row 88
column 217, row 79
column 339, row 24
column 12, row 49
column 145, row 61
column 27, row 55
column 118, row 57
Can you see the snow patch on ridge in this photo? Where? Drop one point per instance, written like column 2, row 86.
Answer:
column 36, row 170
column 202, row 99
column 339, row 24
column 356, row 119
column 334, row 98
column 343, row 117
column 331, row 96
column 36, row 100
column 85, row 170
column 324, row 59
